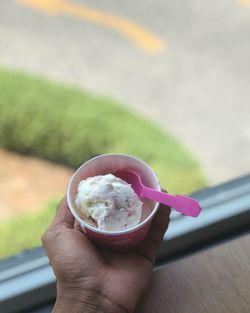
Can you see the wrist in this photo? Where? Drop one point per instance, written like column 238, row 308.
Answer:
column 76, row 300
column 80, row 299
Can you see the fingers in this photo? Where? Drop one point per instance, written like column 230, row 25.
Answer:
column 159, row 225
column 157, row 230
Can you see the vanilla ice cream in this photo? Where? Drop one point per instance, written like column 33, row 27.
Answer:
column 108, row 203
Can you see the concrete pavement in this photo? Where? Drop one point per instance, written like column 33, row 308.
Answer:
column 197, row 86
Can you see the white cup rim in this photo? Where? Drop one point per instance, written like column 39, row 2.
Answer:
column 106, row 232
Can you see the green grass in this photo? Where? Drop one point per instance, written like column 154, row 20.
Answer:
column 23, row 232
column 69, row 126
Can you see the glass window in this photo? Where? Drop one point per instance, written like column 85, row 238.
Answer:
column 172, row 91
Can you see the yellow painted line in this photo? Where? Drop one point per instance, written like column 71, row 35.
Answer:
column 142, row 37
column 244, row 2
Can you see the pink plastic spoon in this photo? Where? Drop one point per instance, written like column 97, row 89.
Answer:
column 182, row 204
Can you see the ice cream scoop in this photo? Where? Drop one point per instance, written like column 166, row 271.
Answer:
column 108, row 203
column 182, row 204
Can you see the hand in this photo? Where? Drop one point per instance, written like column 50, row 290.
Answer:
column 91, row 279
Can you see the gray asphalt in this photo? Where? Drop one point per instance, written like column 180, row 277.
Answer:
column 198, row 87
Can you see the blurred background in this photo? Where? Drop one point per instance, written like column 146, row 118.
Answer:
column 167, row 81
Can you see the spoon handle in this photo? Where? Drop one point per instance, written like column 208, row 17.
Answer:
column 182, row 204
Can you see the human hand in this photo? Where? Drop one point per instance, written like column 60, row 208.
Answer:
column 92, row 279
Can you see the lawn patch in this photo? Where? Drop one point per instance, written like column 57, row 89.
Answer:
column 69, row 126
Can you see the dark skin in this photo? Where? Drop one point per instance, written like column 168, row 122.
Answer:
column 92, row 279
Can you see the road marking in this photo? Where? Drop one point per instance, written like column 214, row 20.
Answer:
column 142, row 37
column 244, row 2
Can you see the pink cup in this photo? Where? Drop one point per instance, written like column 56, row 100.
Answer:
column 110, row 163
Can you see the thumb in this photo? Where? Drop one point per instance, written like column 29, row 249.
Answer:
column 63, row 220
column 63, row 216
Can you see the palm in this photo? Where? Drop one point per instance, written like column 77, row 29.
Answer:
column 124, row 275
column 128, row 275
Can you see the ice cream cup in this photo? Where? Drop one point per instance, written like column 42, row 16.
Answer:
column 110, row 163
